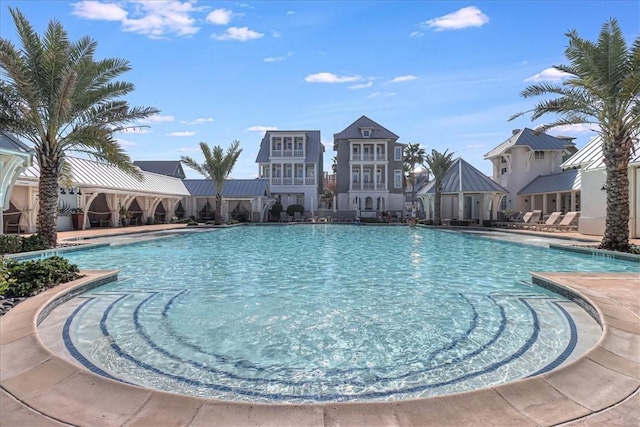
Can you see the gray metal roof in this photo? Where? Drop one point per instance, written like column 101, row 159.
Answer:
column 162, row 167
column 9, row 142
column 463, row 178
column 87, row 173
column 314, row 148
column 232, row 187
column 590, row 156
column 353, row 130
column 569, row 180
column 536, row 141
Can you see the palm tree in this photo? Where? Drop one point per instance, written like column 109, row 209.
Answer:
column 439, row 163
column 55, row 95
column 602, row 88
column 217, row 167
column 413, row 155
column 334, row 164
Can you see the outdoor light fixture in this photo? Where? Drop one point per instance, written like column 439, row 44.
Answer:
column 604, row 188
column 70, row 190
column 526, row 200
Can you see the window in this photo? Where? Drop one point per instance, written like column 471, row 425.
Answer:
column 503, row 171
column 265, row 171
column 397, row 178
column 355, row 177
column 398, row 153
column 538, row 155
column 300, row 199
column 503, row 160
column 366, row 132
column 298, row 143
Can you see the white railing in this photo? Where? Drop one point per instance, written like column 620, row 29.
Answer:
column 276, row 153
column 287, row 153
column 310, row 181
column 380, row 157
column 356, row 157
column 287, row 181
column 367, row 157
column 298, row 181
column 298, row 153
column 276, row 181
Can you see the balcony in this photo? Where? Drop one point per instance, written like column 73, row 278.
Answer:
column 293, row 181
column 287, row 153
column 368, row 186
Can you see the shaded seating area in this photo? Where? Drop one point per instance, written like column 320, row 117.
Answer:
column 11, row 221
column 207, row 212
column 99, row 219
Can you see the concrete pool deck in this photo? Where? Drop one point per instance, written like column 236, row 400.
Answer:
column 599, row 388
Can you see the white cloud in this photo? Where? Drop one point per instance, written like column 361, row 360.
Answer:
column 577, row 128
column 291, row 12
column 220, row 17
column 330, row 78
column 475, row 146
column 154, row 19
column 278, row 58
column 402, row 79
column 189, row 149
column 239, row 33
column 261, row 128
column 548, row 75
column 125, row 143
column 89, row 9
column 416, row 34
column 197, row 121
column 381, row 95
column 466, row 17
column 361, row 85
column 181, row 134
column 157, row 118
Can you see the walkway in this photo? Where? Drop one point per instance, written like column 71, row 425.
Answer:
column 600, row 388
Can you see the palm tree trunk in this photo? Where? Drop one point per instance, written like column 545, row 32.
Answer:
column 437, row 220
column 616, row 234
column 218, row 212
column 48, row 201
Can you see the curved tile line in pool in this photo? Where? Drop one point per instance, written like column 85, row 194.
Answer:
column 571, row 345
column 339, row 397
column 333, row 372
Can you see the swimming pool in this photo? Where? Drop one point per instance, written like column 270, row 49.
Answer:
column 324, row 313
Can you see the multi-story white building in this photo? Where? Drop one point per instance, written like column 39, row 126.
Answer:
column 370, row 161
column 291, row 161
column 527, row 155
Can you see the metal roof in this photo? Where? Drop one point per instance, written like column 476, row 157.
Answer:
column 353, row 130
column 569, row 180
column 463, row 178
column 536, row 141
column 162, row 167
column 232, row 187
column 9, row 142
column 90, row 173
column 314, row 148
column 590, row 156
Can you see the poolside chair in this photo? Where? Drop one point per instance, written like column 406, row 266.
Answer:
column 530, row 218
column 549, row 222
column 297, row 217
column 508, row 221
column 284, row 217
column 567, row 223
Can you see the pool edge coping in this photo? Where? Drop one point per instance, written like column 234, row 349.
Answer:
column 560, row 387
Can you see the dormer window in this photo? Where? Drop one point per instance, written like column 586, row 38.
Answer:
column 366, row 132
column 538, row 155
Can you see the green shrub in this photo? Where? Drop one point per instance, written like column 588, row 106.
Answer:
column 35, row 242
column 30, row 277
column 10, row 244
column 294, row 208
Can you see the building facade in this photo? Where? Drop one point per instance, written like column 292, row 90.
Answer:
column 522, row 158
column 292, row 163
column 369, row 174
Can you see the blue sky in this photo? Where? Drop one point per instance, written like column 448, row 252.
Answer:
column 445, row 74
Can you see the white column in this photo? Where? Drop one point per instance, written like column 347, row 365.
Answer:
column 558, row 202
column 544, row 204
column 532, row 197
column 573, row 201
column 460, row 206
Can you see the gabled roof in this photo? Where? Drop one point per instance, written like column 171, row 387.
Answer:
column 590, row 156
column 314, row 148
column 9, row 142
column 162, row 167
column 90, row 173
column 463, row 178
column 535, row 141
column 231, row 188
column 353, row 130
column 566, row 181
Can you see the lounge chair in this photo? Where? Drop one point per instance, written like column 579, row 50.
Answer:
column 567, row 223
column 530, row 218
column 508, row 221
column 549, row 222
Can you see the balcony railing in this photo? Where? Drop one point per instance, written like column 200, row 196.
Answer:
column 287, row 153
column 367, row 186
column 276, row 153
column 309, row 181
column 368, row 157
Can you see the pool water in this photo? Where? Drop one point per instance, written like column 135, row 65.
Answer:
column 315, row 313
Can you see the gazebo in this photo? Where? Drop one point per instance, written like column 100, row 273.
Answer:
column 467, row 194
column 14, row 158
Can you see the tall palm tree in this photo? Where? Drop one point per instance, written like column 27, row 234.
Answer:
column 413, row 156
column 602, row 88
column 439, row 163
column 55, row 95
column 217, row 166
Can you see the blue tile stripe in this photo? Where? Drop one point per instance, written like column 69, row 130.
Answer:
column 337, row 396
